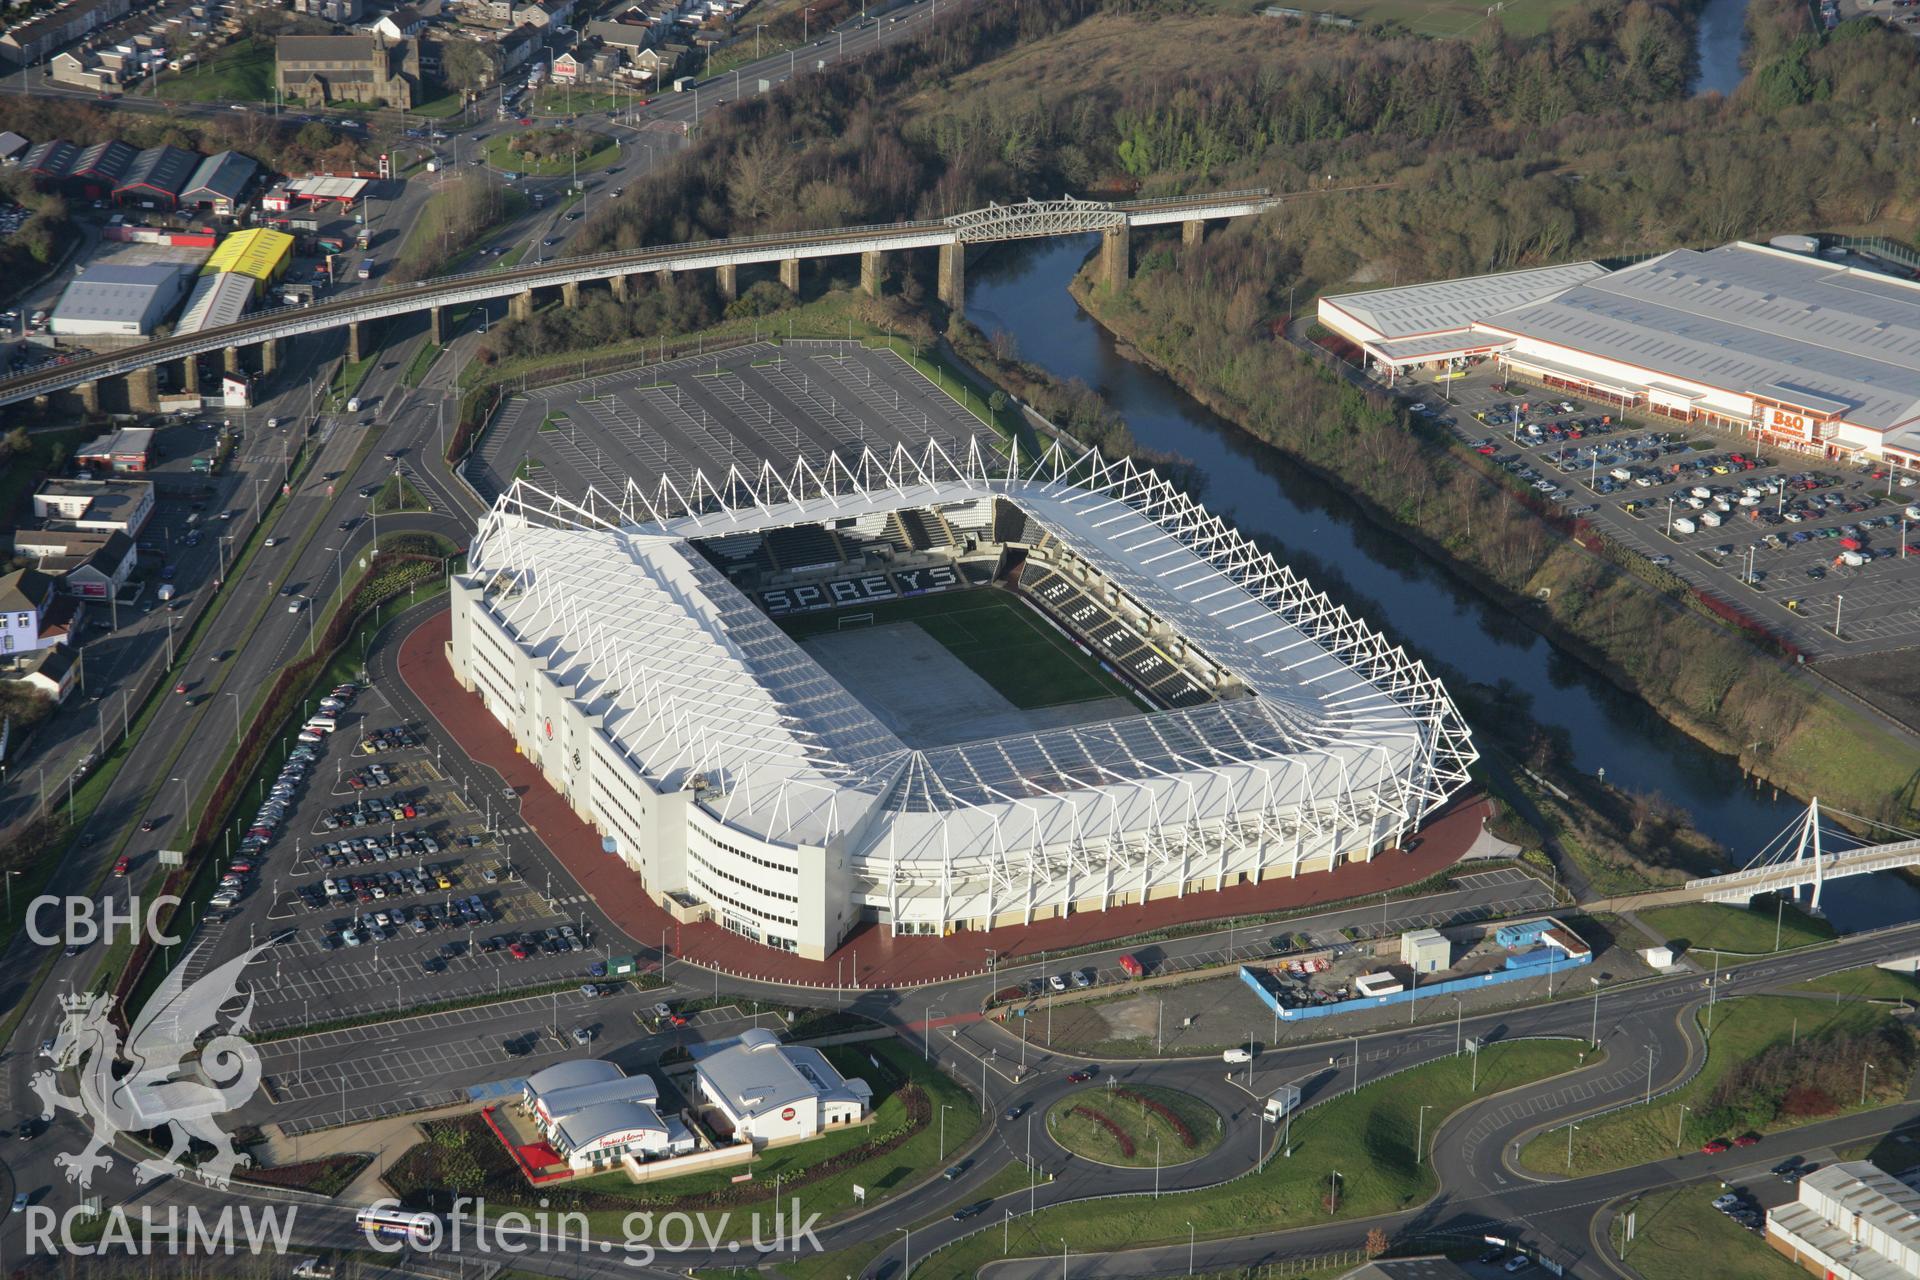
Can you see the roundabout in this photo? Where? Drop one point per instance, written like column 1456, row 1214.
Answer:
column 1135, row 1126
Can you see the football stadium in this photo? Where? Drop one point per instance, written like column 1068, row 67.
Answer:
column 939, row 693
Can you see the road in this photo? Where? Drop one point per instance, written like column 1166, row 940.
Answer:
column 1471, row 1150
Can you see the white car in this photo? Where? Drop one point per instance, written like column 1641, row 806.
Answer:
column 1057, row 982
column 294, row 605
column 271, row 542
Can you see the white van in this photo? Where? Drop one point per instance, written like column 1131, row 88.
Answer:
column 322, row 724
column 1236, row 1056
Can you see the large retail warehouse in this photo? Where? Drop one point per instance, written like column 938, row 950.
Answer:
column 1784, row 346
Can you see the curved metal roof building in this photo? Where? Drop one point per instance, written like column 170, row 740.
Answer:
column 744, row 782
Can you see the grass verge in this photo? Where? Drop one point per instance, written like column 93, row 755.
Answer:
column 1135, row 1128
column 398, row 494
column 423, row 357
column 240, row 72
column 1368, row 1137
column 1709, row 926
column 1679, row 1235
column 1719, row 1103
column 1866, row 983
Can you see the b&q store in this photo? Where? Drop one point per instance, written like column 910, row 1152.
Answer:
column 1785, row 347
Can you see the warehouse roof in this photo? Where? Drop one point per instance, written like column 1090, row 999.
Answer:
column 120, row 294
column 258, row 254
column 53, row 158
column 164, row 170
column 12, row 147
column 125, row 441
column 1809, row 333
column 1444, row 305
column 217, row 299
column 222, row 176
column 107, row 161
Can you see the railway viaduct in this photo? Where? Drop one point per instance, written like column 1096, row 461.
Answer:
column 267, row 331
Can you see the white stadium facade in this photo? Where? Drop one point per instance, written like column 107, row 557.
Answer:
column 1783, row 345
column 630, row 646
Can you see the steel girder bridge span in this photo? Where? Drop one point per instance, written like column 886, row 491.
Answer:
column 1806, row 855
column 267, row 330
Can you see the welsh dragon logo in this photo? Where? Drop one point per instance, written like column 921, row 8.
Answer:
column 156, row 1092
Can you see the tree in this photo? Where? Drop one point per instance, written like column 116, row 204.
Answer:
column 1376, row 1243
column 468, row 66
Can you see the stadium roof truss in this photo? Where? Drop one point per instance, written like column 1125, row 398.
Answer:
column 1346, row 740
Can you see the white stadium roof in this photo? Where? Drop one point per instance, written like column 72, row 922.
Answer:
column 692, row 680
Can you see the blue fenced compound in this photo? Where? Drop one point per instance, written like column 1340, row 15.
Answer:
column 1562, row 950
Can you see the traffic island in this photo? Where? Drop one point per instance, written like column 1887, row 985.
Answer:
column 1135, row 1127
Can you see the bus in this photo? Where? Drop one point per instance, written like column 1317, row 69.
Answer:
column 367, row 267
column 397, row 1224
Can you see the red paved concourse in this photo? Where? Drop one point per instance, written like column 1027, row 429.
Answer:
column 881, row 959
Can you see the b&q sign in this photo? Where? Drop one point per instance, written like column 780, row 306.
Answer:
column 1790, row 422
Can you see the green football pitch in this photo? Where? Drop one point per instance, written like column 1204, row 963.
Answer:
column 998, row 638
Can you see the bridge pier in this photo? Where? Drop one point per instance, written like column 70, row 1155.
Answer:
column 663, row 278
column 790, row 275
column 190, row 375
column 619, row 286
column 269, row 357
column 143, row 390
column 1192, row 232
column 873, row 272
column 570, row 294
column 520, row 306
column 1116, row 253
column 89, row 393
column 356, row 346
column 726, row 278
column 952, row 286
column 437, row 326
column 232, row 354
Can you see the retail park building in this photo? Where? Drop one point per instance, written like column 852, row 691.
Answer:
column 1786, row 347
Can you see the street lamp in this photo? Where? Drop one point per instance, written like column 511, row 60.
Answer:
column 1593, row 1036
column 1866, row 1067
column 1189, row 1248
column 1420, row 1140
column 944, row 1108
column 1680, row 1125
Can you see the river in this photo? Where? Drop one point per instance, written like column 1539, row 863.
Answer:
column 1721, row 40
column 1022, row 289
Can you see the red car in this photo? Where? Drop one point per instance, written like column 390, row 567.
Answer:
column 1746, row 1140
column 526, row 119
column 181, row 687
column 519, row 951
column 1487, row 449
column 120, row 865
column 1079, row 1077
column 1715, row 1147
column 409, row 811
